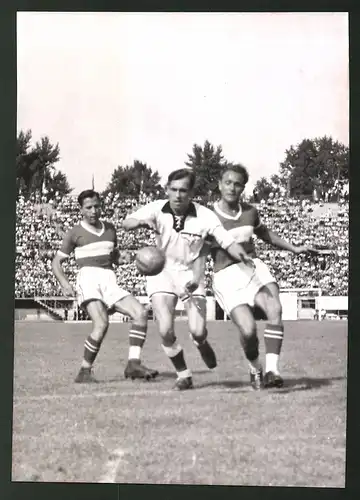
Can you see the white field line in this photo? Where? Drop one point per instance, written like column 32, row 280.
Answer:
column 111, row 466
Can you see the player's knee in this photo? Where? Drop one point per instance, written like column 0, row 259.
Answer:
column 140, row 315
column 246, row 327
column 198, row 333
column 100, row 327
column 274, row 310
column 166, row 331
column 248, row 330
column 197, row 326
column 168, row 337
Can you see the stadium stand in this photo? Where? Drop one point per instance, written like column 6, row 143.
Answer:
column 40, row 227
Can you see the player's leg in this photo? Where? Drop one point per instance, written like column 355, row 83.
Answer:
column 164, row 305
column 100, row 323
column 122, row 301
column 242, row 316
column 196, row 311
column 235, row 295
column 268, row 300
column 130, row 306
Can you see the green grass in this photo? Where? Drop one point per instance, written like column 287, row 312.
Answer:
column 222, row 432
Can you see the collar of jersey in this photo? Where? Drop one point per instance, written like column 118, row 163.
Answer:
column 190, row 211
column 87, row 228
column 228, row 216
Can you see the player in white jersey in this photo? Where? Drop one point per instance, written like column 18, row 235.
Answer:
column 238, row 287
column 94, row 244
column 182, row 228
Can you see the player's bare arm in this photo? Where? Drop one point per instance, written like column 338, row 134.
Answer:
column 198, row 269
column 58, row 271
column 235, row 249
column 226, row 241
column 119, row 257
column 237, row 252
column 273, row 239
column 130, row 224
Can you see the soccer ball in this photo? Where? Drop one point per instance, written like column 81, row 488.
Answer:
column 150, row 261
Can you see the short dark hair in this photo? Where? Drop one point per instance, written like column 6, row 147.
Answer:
column 88, row 193
column 238, row 168
column 183, row 173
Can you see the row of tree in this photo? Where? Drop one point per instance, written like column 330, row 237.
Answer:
column 319, row 164
column 35, row 167
column 314, row 164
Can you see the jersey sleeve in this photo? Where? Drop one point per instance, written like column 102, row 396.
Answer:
column 146, row 212
column 68, row 244
column 113, row 230
column 218, row 232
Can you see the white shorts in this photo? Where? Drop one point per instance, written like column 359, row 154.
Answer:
column 232, row 288
column 172, row 282
column 96, row 283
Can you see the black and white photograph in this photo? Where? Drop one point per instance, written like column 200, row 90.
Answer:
column 182, row 248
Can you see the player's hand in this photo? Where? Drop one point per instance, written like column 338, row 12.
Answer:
column 123, row 258
column 150, row 224
column 68, row 290
column 237, row 252
column 191, row 286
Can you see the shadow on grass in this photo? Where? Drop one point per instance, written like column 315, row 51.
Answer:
column 173, row 374
column 159, row 378
column 296, row 384
column 227, row 384
column 306, row 384
column 290, row 385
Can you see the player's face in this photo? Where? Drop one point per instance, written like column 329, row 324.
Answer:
column 179, row 194
column 91, row 210
column 231, row 186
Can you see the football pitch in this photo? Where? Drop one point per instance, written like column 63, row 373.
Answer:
column 221, row 432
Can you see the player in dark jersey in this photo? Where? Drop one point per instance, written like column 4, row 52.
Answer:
column 238, row 287
column 94, row 244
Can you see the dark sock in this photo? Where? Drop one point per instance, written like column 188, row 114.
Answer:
column 91, row 349
column 251, row 351
column 251, row 348
column 176, row 356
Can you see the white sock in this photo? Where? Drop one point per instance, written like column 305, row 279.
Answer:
column 134, row 352
column 184, row 374
column 272, row 361
column 255, row 365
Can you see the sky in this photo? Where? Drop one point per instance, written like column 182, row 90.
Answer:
column 114, row 87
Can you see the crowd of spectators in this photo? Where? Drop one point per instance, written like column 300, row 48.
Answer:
column 40, row 228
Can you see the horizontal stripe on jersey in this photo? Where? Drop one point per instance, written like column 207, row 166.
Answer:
column 97, row 249
column 91, row 248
